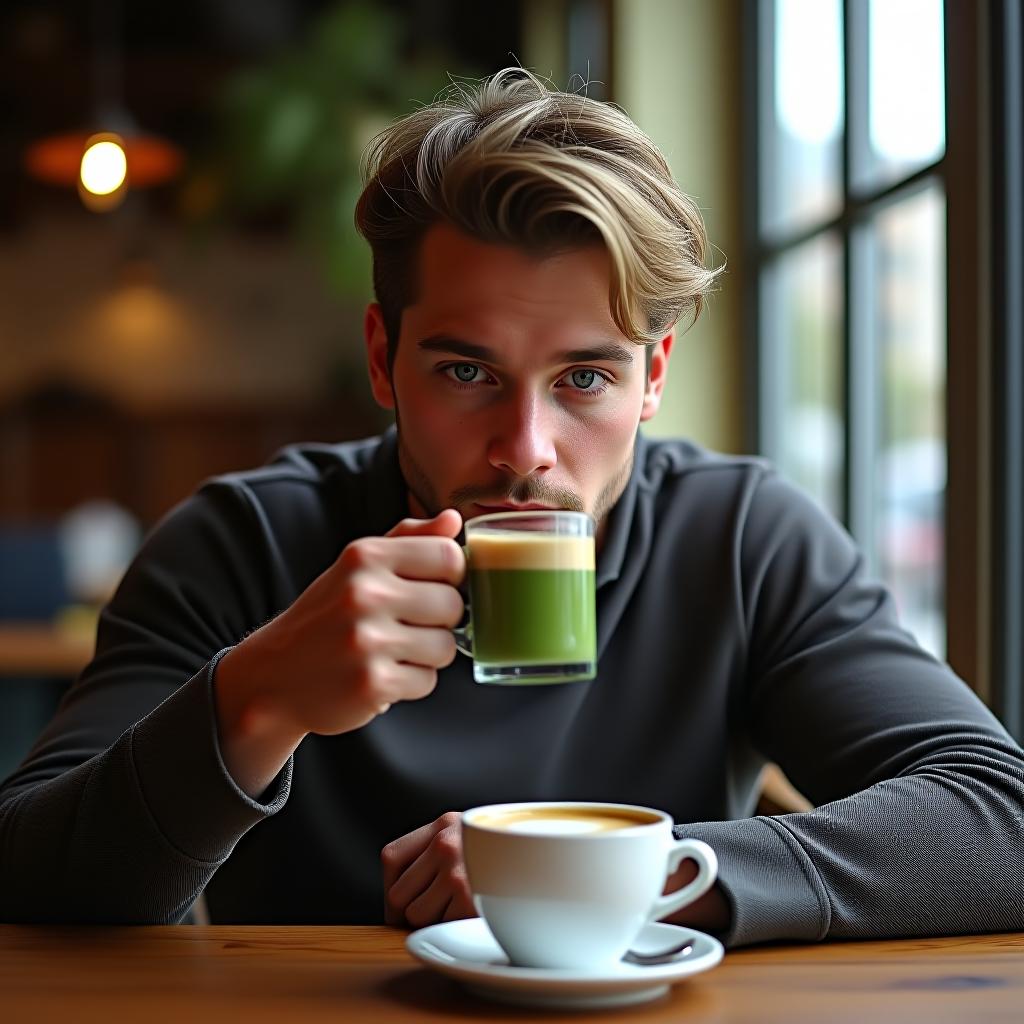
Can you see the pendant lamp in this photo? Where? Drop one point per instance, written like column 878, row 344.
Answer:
column 106, row 159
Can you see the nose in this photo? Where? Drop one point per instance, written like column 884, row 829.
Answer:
column 523, row 441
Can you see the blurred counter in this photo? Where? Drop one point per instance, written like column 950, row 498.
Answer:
column 45, row 650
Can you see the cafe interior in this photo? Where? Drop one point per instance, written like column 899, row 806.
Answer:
column 182, row 287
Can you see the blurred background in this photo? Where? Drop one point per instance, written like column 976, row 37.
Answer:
column 181, row 285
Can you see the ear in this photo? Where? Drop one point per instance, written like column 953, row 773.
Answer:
column 377, row 356
column 658, row 376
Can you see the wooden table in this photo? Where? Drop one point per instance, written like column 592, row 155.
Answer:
column 285, row 975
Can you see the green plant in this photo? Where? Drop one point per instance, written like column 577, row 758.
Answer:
column 294, row 130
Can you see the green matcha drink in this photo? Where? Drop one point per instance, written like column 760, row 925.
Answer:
column 532, row 601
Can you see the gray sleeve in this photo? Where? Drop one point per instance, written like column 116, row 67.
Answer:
column 123, row 809
column 918, row 790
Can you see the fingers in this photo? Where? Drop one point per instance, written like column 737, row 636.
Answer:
column 384, row 611
column 414, row 881
column 414, row 602
column 420, row 646
column 429, row 906
column 447, row 897
column 424, row 875
column 418, row 603
column 413, row 558
column 399, row 854
column 461, row 904
column 393, row 682
column 383, row 649
column 447, row 523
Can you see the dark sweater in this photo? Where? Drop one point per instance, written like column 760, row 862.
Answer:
column 735, row 625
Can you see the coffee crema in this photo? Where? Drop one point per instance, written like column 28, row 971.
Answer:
column 564, row 821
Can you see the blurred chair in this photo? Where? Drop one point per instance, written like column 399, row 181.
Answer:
column 66, row 570
column 33, row 588
column 33, row 582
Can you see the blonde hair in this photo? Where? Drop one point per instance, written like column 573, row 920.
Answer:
column 511, row 161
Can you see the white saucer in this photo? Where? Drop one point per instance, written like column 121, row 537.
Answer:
column 467, row 951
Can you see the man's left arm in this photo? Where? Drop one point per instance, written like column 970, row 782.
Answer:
column 918, row 790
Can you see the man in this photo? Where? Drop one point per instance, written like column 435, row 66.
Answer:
column 276, row 715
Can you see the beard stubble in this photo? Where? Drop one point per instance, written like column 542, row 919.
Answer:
column 519, row 491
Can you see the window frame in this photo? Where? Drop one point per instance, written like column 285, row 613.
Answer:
column 970, row 597
column 1003, row 52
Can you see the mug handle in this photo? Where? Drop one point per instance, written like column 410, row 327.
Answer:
column 464, row 634
column 707, row 872
column 464, row 640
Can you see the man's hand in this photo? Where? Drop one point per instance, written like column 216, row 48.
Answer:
column 425, row 876
column 371, row 630
column 710, row 913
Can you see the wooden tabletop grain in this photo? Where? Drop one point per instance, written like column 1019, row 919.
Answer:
column 295, row 974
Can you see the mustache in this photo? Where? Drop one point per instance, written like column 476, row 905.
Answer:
column 521, row 492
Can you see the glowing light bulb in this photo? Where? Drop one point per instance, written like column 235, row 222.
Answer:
column 104, row 167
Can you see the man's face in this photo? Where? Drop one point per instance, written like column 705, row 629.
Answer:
column 513, row 387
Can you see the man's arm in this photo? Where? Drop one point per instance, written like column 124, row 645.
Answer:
column 147, row 778
column 919, row 791
column 124, row 809
column 370, row 631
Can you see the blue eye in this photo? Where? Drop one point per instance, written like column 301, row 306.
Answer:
column 584, row 382
column 465, row 373
column 583, row 379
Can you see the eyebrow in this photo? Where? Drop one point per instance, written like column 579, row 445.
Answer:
column 610, row 352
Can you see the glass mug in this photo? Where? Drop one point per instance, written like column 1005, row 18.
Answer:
column 532, row 601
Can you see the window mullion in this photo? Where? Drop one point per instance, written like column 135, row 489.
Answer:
column 758, row 84
column 1008, row 367
column 858, row 326
column 862, row 392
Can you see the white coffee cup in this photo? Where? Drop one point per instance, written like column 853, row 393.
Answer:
column 571, row 884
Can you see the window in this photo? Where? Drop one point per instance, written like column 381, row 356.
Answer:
column 848, row 237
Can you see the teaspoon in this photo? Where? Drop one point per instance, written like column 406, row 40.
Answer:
column 664, row 957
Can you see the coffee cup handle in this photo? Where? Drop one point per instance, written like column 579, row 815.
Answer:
column 707, row 872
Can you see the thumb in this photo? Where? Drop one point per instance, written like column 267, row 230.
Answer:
column 446, row 523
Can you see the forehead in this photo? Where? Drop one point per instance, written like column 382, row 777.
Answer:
column 463, row 278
